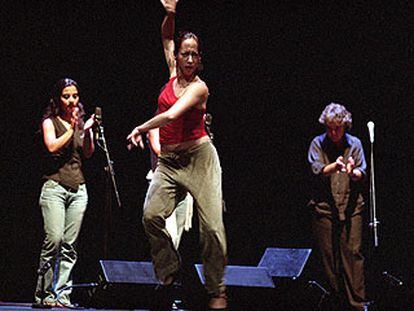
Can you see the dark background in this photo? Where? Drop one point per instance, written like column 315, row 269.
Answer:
column 271, row 67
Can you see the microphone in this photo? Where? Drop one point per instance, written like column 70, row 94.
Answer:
column 371, row 125
column 98, row 118
column 98, row 115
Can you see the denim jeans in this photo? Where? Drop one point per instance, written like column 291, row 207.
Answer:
column 197, row 171
column 63, row 210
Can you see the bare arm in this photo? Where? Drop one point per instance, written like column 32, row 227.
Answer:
column 53, row 143
column 167, row 34
column 197, row 93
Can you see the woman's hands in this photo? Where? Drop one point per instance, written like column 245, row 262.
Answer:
column 90, row 123
column 169, row 6
column 74, row 118
column 340, row 165
column 134, row 139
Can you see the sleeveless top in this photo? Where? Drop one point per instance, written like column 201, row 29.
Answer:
column 189, row 126
column 64, row 166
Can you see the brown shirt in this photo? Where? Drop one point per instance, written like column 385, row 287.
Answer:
column 65, row 165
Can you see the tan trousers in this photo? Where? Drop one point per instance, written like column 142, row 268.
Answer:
column 181, row 219
column 197, row 171
column 342, row 259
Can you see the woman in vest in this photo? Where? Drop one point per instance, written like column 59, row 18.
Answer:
column 63, row 199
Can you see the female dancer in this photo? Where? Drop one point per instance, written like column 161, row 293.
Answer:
column 188, row 163
column 63, row 199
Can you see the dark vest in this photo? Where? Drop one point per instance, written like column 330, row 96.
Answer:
column 65, row 165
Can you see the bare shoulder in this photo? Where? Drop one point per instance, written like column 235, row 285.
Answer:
column 200, row 87
column 47, row 123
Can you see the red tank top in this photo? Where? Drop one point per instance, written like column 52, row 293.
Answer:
column 189, row 126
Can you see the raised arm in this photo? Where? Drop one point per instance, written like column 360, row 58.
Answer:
column 167, row 34
column 53, row 143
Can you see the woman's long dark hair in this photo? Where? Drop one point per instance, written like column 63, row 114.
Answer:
column 53, row 108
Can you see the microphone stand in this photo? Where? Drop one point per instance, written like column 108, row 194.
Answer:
column 373, row 221
column 109, row 168
column 324, row 294
column 110, row 184
column 390, row 279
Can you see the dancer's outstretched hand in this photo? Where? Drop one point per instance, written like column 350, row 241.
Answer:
column 134, row 139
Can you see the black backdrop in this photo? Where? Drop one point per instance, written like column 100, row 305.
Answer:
column 271, row 68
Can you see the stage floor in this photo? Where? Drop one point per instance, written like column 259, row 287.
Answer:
column 28, row 306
